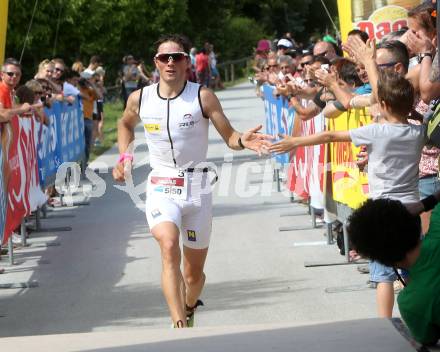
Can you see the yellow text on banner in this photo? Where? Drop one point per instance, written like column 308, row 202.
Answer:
column 349, row 185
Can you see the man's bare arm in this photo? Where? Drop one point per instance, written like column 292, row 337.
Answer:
column 235, row 140
column 214, row 111
column 128, row 122
column 305, row 113
column 7, row 114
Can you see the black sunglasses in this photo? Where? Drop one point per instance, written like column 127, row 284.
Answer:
column 305, row 63
column 282, row 47
column 59, row 69
column 12, row 74
column 388, row 64
column 166, row 57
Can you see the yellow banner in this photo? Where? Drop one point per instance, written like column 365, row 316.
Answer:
column 349, row 185
column 3, row 27
column 376, row 17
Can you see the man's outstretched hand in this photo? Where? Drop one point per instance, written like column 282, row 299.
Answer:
column 256, row 141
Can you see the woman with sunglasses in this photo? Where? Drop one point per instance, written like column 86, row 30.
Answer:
column 175, row 114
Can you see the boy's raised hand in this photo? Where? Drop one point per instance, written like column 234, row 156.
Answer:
column 283, row 146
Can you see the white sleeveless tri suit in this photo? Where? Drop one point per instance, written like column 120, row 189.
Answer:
column 178, row 187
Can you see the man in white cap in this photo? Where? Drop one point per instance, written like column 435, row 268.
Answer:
column 283, row 46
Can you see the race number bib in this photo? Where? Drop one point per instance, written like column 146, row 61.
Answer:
column 170, row 183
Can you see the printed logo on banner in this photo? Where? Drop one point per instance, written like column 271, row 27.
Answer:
column 279, row 119
column 61, row 141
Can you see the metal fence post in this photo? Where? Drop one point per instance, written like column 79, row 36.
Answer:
column 44, row 211
column 329, row 233
column 37, row 219
column 11, row 251
column 277, row 176
column 347, row 255
column 313, row 215
column 232, row 73
column 226, row 74
column 23, row 232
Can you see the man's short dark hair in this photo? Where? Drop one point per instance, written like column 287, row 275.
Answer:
column 180, row 39
column 25, row 95
column 321, row 59
column 384, row 230
column 347, row 72
column 11, row 61
column 396, row 91
column 58, row 60
column 398, row 51
column 68, row 74
column 95, row 59
column 363, row 35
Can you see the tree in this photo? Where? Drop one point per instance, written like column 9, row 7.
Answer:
column 73, row 29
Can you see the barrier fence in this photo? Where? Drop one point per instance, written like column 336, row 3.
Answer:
column 31, row 154
column 327, row 176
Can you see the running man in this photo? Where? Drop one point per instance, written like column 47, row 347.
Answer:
column 176, row 114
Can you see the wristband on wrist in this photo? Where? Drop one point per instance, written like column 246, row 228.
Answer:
column 289, row 97
column 125, row 156
column 429, row 203
column 240, row 143
column 423, row 55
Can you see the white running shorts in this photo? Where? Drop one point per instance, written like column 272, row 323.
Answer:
column 193, row 216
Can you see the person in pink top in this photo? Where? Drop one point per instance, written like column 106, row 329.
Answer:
column 203, row 68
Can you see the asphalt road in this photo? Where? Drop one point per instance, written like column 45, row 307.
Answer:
column 105, row 273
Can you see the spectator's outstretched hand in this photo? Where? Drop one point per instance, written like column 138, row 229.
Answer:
column 256, row 141
column 273, row 78
column 283, row 89
column 362, row 158
column 419, row 43
column 325, row 78
column 283, row 146
column 261, row 77
column 363, row 53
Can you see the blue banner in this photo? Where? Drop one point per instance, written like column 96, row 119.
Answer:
column 279, row 119
column 61, row 141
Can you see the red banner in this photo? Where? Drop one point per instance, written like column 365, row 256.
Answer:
column 20, row 172
column 305, row 174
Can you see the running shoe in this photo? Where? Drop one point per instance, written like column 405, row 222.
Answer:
column 190, row 313
column 177, row 325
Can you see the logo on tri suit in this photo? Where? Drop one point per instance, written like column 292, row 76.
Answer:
column 191, row 235
column 155, row 213
column 188, row 122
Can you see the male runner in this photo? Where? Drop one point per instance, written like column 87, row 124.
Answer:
column 175, row 114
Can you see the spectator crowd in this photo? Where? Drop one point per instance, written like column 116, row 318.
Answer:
column 397, row 81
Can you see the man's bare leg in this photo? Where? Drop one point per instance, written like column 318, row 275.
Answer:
column 193, row 263
column 167, row 235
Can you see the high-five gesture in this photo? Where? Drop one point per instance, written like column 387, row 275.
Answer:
column 255, row 141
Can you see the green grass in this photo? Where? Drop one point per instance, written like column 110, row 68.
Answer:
column 112, row 113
